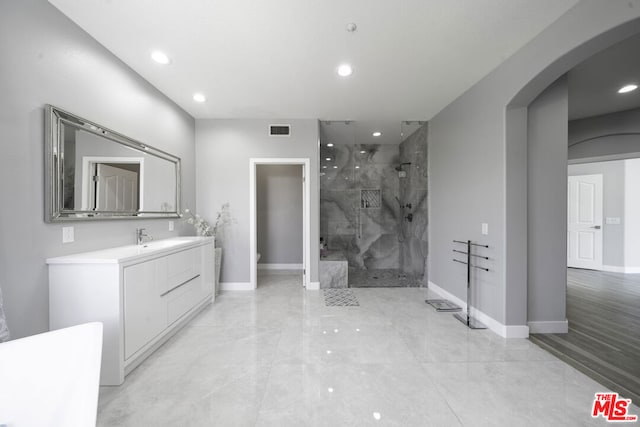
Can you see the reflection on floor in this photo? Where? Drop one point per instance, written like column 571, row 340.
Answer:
column 280, row 356
column 603, row 310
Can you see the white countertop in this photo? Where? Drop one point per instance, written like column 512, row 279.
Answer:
column 127, row 253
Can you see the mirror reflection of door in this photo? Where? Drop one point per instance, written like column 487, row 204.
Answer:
column 584, row 245
column 116, row 187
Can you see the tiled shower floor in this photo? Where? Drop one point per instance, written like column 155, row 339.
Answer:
column 381, row 278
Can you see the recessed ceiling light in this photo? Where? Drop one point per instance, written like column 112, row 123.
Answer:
column 357, row 167
column 198, row 97
column 345, row 70
column 628, row 88
column 362, row 151
column 329, row 145
column 328, row 159
column 377, row 134
column 324, row 167
column 160, row 57
column 335, row 167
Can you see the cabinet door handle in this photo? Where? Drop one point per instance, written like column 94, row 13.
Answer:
column 180, row 284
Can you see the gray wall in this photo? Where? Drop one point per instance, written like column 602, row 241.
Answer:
column 279, row 214
column 46, row 58
column 615, row 135
column 477, row 155
column 223, row 149
column 613, row 206
column 547, row 125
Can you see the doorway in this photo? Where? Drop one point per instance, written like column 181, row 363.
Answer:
column 111, row 184
column 304, row 233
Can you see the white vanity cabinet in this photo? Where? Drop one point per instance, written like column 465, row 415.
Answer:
column 145, row 310
column 141, row 294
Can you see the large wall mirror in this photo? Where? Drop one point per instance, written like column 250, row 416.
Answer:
column 96, row 173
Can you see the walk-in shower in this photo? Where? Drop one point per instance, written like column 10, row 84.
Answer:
column 373, row 209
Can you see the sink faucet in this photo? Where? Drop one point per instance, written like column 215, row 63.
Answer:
column 140, row 235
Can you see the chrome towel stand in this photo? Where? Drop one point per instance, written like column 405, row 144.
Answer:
column 471, row 322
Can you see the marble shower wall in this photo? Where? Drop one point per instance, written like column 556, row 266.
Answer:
column 365, row 231
column 414, row 235
column 360, row 205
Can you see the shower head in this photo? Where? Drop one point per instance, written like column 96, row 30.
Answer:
column 399, row 167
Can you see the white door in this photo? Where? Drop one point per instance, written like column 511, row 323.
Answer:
column 584, row 240
column 116, row 188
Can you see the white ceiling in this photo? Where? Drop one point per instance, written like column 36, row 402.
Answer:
column 277, row 58
column 594, row 83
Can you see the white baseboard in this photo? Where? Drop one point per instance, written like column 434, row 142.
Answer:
column 236, row 286
column 517, row 331
column 549, row 327
column 620, row 269
column 313, row 286
column 505, row 331
column 280, row 267
column 613, row 268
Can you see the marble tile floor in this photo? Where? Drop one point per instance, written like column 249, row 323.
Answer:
column 280, row 357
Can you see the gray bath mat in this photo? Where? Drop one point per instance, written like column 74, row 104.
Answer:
column 340, row 297
column 442, row 305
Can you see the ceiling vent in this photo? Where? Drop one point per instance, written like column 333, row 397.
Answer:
column 279, row 130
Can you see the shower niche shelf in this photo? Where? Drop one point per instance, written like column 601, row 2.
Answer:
column 370, row 199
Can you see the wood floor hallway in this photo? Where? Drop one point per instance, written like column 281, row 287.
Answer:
column 603, row 310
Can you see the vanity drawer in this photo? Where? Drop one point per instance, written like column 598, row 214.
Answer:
column 184, row 298
column 177, row 269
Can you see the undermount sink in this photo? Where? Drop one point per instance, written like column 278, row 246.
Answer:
column 162, row 244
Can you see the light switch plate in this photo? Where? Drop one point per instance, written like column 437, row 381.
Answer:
column 613, row 220
column 485, row 228
column 171, row 226
column 67, row 235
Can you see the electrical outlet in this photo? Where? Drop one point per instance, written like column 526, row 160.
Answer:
column 171, row 226
column 485, row 228
column 67, row 235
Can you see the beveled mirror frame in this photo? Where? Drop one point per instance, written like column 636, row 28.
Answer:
column 55, row 119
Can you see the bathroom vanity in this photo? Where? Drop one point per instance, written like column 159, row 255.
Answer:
column 142, row 294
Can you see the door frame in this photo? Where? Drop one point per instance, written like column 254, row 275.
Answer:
column 306, row 215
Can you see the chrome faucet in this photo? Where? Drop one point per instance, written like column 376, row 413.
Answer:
column 140, row 235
